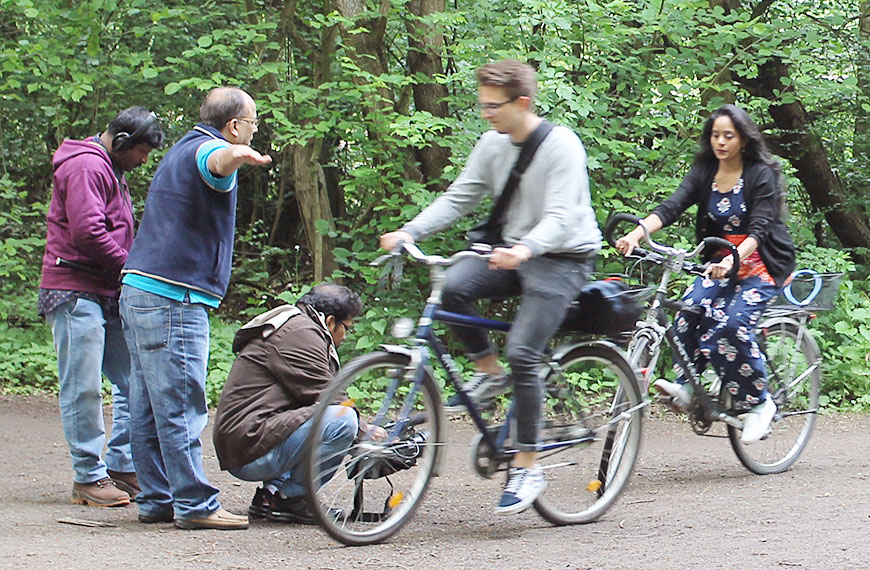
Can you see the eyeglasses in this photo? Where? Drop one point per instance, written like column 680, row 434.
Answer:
column 348, row 329
column 253, row 120
column 495, row 106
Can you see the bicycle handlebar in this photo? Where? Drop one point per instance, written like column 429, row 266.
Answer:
column 417, row 254
column 660, row 252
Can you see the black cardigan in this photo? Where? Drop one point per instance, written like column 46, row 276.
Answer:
column 775, row 245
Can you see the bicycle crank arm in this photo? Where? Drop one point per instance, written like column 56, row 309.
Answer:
column 730, row 420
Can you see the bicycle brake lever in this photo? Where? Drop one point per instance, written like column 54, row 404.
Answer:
column 391, row 272
column 381, row 259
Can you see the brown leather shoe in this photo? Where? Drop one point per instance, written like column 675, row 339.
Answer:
column 102, row 493
column 127, row 482
column 218, row 520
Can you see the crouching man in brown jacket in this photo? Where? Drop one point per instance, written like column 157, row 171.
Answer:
column 286, row 359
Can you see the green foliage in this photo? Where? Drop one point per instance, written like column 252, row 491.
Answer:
column 844, row 338
column 843, row 333
column 633, row 79
column 220, row 359
column 28, row 364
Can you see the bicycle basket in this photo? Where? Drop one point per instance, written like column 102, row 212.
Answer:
column 810, row 290
column 606, row 307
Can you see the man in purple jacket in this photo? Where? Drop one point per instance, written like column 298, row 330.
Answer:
column 90, row 231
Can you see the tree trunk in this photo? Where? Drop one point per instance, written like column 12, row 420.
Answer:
column 313, row 201
column 367, row 47
column 861, row 147
column 309, row 182
column 424, row 59
column 804, row 150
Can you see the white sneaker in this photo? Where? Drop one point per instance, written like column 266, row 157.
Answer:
column 522, row 488
column 756, row 422
column 482, row 388
column 681, row 394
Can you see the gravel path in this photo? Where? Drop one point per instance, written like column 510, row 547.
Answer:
column 690, row 505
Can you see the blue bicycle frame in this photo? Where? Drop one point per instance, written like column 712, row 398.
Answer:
column 425, row 339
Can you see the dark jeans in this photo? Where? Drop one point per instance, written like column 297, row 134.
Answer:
column 547, row 286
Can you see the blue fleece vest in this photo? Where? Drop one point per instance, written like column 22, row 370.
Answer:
column 187, row 230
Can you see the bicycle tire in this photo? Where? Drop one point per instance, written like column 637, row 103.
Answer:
column 593, row 399
column 371, row 494
column 642, row 359
column 794, row 376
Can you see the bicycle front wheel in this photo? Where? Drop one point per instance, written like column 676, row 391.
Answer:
column 643, row 358
column 793, row 378
column 591, row 433
column 369, row 491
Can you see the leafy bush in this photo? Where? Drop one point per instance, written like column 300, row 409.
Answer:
column 843, row 333
column 220, row 358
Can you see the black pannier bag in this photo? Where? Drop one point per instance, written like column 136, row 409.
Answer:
column 606, row 307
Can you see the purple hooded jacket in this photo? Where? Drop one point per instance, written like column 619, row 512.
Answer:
column 90, row 220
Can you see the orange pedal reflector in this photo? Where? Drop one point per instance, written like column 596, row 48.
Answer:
column 395, row 499
column 593, row 486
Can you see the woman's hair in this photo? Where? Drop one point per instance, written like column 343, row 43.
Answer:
column 332, row 299
column 515, row 77
column 754, row 148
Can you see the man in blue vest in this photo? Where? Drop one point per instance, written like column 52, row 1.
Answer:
column 178, row 267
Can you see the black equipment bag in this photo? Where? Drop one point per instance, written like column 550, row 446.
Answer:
column 603, row 307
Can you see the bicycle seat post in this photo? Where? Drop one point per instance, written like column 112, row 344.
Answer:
column 436, row 275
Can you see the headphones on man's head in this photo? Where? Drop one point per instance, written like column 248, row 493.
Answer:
column 122, row 141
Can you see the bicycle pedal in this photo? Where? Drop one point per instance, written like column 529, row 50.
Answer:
column 571, row 433
column 670, row 403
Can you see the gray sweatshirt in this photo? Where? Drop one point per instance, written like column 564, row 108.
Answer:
column 550, row 211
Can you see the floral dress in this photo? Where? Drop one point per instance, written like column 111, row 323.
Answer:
column 722, row 334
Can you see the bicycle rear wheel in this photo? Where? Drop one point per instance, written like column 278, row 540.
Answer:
column 793, row 376
column 593, row 401
column 377, row 485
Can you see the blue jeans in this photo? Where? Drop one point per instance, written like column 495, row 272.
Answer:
column 89, row 345
column 168, row 343
column 547, row 286
column 278, row 466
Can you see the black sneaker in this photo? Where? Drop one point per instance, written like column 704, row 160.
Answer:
column 298, row 510
column 273, row 507
column 482, row 388
column 262, row 504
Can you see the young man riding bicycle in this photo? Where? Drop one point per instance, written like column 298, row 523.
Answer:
column 544, row 252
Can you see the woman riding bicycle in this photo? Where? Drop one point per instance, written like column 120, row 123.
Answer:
column 738, row 189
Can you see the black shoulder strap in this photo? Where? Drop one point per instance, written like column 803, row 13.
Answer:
column 530, row 147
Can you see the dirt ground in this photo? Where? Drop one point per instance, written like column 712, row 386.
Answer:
column 690, row 505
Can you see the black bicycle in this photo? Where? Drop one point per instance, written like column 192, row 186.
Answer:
column 589, row 441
